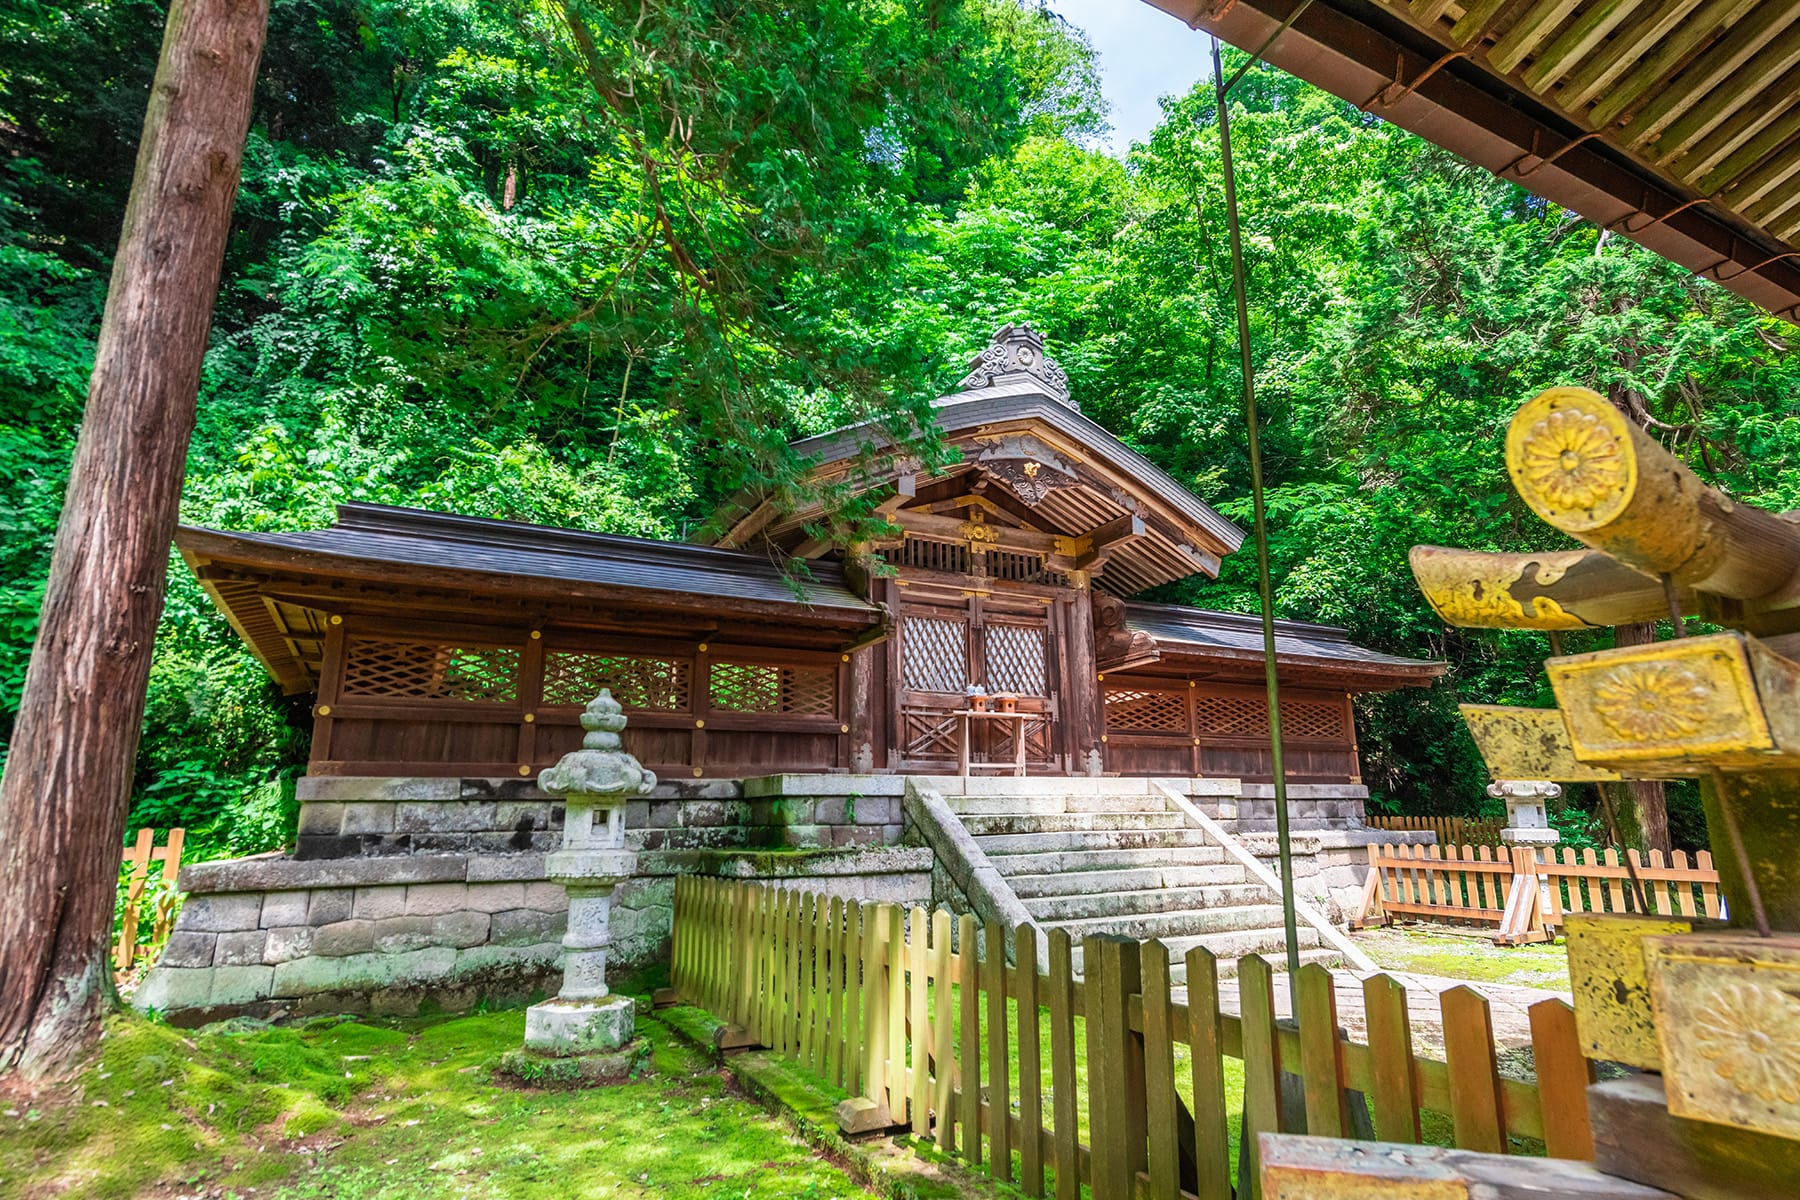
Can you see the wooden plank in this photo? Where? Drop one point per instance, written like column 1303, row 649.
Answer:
column 999, row 1090
column 1262, row 1062
column 790, row 975
column 1031, row 1078
column 1102, row 974
column 1563, row 1076
column 969, row 1064
column 832, row 946
column 919, row 1039
column 1321, row 1061
column 1161, row 1105
column 875, row 1003
column 139, row 858
column 806, row 1010
column 1060, row 986
column 943, row 1035
column 1394, row 1096
column 853, row 997
column 1212, row 1136
column 743, row 899
column 171, row 874
column 1476, row 1108
column 895, row 937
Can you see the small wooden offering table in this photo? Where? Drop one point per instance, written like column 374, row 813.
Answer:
column 965, row 715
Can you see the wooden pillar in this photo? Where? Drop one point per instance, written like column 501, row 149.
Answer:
column 1081, row 704
column 66, row 790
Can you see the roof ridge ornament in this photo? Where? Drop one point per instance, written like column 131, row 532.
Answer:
column 1016, row 354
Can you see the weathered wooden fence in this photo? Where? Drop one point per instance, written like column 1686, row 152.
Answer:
column 1451, row 831
column 1524, row 890
column 138, row 859
column 905, row 1010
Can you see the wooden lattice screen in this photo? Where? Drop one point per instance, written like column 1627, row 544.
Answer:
column 934, row 654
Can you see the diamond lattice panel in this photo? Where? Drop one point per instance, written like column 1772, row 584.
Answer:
column 1015, row 659
column 1322, row 721
column 636, row 681
column 1130, row 710
column 934, row 654
column 430, row 671
column 1225, row 716
column 760, row 688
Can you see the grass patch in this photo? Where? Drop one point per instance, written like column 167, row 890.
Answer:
column 1471, row 956
column 402, row 1110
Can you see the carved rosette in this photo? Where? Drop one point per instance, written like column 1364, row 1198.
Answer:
column 1751, row 1035
column 1569, row 453
column 1647, row 702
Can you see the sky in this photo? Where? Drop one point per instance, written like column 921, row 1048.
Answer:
column 1144, row 53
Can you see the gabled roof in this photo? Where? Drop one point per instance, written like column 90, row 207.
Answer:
column 1014, row 416
column 1181, row 631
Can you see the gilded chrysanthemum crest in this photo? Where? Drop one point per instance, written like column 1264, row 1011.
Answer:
column 1647, row 702
column 1751, row 1035
column 1572, row 460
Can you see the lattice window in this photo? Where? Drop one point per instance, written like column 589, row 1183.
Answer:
column 934, row 654
column 1015, row 659
column 1324, row 722
column 637, row 681
column 762, row 688
column 1128, row 709
column 1232, row 716
column 432, row 671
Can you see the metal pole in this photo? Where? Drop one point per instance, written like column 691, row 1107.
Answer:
column 1265, row 589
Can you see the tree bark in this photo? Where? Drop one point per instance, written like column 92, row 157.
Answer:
column 65, row 794
column 1641, row 805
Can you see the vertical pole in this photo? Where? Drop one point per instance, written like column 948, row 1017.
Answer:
column 1265, row 590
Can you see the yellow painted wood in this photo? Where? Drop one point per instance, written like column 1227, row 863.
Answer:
column 999, row 1090
column 895, row 937
column 943, row 1037
column 1212, row 1145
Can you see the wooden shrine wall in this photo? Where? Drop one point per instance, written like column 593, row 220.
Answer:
column 417, row 698
column 1159, row 726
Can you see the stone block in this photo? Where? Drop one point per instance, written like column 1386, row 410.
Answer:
column 241, row 949
column 330, row 905
column 459, row 816
column 664, row 814
column 854, row 835
column 493, row 868
column 637, row 813
column 509, row 787
column 782, row 810
column 374, row 903
column 242, row 984
column 275, row 874
column 288, row 942
column 361, row 972
column 833, row 810
column 518, row 841
column 459, row 929
column 188, row 948
column 893, row 835
column 706, row 813
column 222, row 914
column 369, row 817
column 546, row 897
column 876, row 810
column 568, row 1027
column 171, row 989
column 284, row 908
column 524, row 925
column 321, row 819
column 376, row 787
column 432, row 899
column 495, row 897
column 344, row 937
column 395, row 935
column 541, row 957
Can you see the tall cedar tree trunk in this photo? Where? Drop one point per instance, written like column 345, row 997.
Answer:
column 66, row 791
column 1641, row 804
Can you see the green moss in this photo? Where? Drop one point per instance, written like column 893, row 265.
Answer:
column 402, row 1110
column 1468, row 956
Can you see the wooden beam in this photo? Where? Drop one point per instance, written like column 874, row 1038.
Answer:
column 1528, row 32
column 1777, row 60
column 1625, row 49
column 1103, row 540
column 1711, row 69
column 954, row 530
column 1733, row 173
column 1589, row 29
column 1475, row 20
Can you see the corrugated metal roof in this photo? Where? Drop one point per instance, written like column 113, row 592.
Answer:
column 374, row 533
column 1205, row 630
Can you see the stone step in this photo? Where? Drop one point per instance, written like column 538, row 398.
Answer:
column 1075, row 822
column 1229, row 945
column 1052, row 861
column 1095, row 842
column 1117, row 904
column 1275, row 957
column 1053, row 805
column 1130, row 879
column 1184, row 923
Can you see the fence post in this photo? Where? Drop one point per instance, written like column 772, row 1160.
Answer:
column 993, row 979
column 1262, row 1067
column 1116, row 1099
column 1563, row 1076
column 869, row 1110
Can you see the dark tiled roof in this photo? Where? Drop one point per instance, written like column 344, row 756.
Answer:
column 373, row 533
column 1202, row 630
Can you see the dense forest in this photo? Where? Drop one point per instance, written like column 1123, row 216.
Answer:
column 593, row 264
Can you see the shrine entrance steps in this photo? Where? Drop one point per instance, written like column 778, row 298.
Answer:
column 1124, row 859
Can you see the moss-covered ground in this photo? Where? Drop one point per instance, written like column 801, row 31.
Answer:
column 1468, row 955
column 401, row 1110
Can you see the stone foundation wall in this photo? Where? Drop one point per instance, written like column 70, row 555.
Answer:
column 410, row 892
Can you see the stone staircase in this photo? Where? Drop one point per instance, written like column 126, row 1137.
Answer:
column 1129, row 863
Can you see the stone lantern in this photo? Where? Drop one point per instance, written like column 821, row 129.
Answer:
column 1527, row 810
column 594, row 782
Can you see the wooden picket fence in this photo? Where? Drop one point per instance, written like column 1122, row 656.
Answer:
column 908, row 1012
column 1451, row 831
column 139, row 858
column 1524, row 891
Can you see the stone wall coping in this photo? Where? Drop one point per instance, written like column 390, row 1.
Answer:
column 1308, row 791
column 797, row 785
column 1342, row 839
column 263, row 874
column 790, row 864
column 376, row 789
